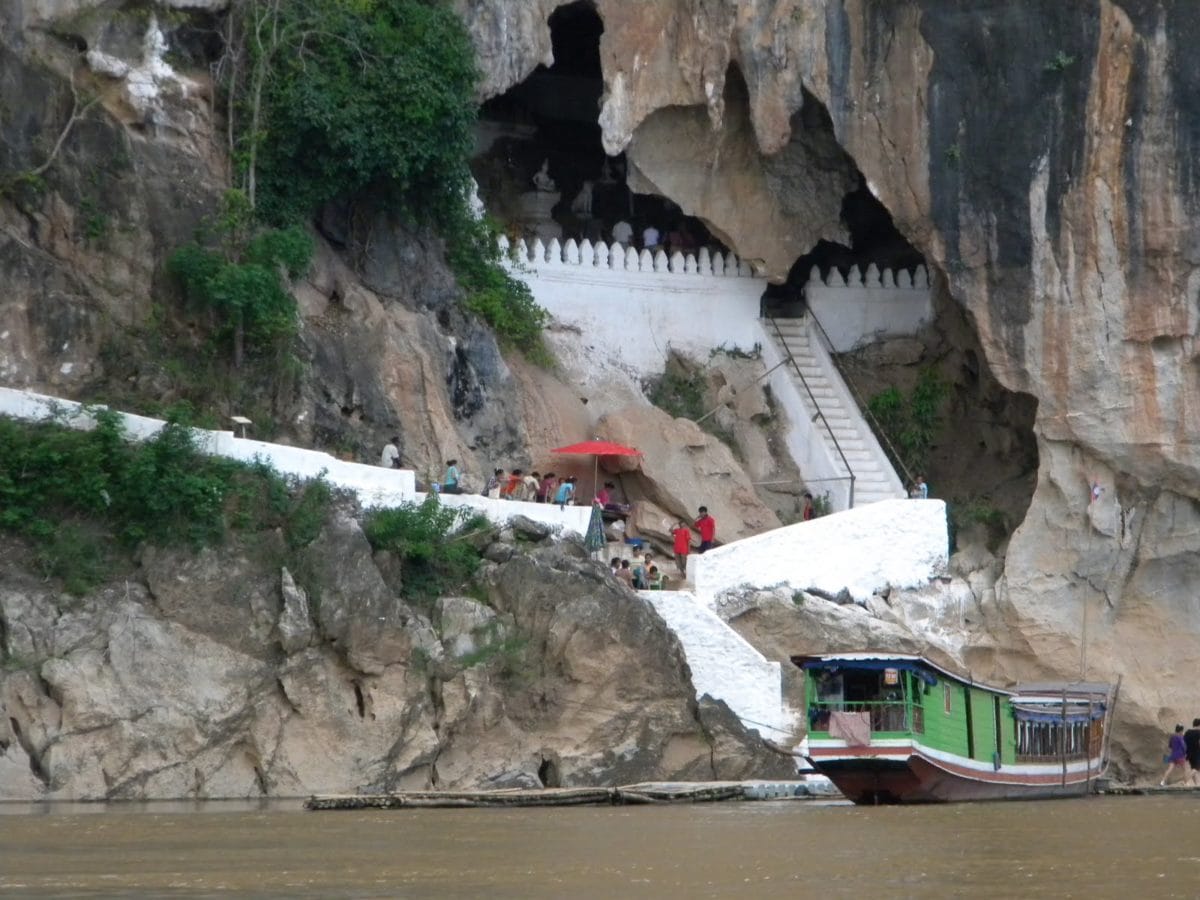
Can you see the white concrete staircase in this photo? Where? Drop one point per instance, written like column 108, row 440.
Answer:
column 725, row 666
column 843, row 425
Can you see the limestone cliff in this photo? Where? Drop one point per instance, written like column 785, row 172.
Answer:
column 1043, row 157
column 216, row 676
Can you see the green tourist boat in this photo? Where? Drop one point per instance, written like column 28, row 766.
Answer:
column 893, row 728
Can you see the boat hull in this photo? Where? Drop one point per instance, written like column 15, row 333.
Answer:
column 920, row 779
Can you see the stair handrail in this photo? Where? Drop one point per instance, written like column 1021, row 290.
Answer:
column 817, row 406
column 880, row 433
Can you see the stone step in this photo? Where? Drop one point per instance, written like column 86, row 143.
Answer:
column 842, row 429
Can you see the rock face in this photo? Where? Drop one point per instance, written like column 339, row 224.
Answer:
column 1043, row 157
column 561, row 677
column 683, row 468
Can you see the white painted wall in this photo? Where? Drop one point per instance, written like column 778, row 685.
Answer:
column 374, row 486
column 643, row 305
column 810, row 451
column 569, row 520
column 724, row 665
column 902, row 543
column 862, row 308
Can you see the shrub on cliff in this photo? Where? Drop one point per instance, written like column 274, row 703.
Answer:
column 83, row 497
column 501, row 300
column 237, row 270
column 432, row 544
column 911, row 422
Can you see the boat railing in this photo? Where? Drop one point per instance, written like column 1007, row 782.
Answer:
column 886, row 715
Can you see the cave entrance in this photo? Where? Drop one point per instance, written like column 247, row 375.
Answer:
column 540, row 163
column 911, row 357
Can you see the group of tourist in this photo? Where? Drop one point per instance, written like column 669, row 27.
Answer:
column 645, row 575
column 1183, row 753
column 652, row 238
column 532, row 488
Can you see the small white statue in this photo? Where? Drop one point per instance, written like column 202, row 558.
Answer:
column 582, row 204
column 542, row 180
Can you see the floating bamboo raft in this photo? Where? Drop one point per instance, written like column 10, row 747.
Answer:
column 646, row 792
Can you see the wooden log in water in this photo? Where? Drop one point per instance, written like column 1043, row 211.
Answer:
column 645, row 793
column 1127, row 790
column 466, row 799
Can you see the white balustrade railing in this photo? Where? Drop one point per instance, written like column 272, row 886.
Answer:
column 620, row 258
column 868, row 306
column 901, row 279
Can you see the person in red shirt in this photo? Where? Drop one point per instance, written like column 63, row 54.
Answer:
column 683, row 546
column 513, row 485
column 707, row 526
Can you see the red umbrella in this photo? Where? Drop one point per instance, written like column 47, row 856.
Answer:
column 597, row 449
column 600, row 448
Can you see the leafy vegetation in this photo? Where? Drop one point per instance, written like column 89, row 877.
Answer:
column 334, row 98
column 736, row 352
column 978, row 511
column 237, row 270
column 501, row 300
column 822, row 505
column 679, row 392
column 432, row 543
column 912, row 422
column 83, row 498
column 506, row 654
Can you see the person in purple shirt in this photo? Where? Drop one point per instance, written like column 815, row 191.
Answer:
column 1176, row 756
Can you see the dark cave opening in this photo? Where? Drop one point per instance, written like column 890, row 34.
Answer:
column 873, row 236
column 546, row 129
column 548, row 774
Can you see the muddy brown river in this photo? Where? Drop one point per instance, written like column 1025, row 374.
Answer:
column 1127, row 847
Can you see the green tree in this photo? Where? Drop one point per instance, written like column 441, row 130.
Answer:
column 334, row 98
column 241, row 272
column 354, row 100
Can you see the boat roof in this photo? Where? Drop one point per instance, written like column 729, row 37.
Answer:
column 868, row 656
column 1044, row 691
column 1053, row 690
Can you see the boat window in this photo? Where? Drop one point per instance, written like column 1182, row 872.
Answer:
column 1052, row 739
column 946, row 695
column 881, row 695
column 830, row 688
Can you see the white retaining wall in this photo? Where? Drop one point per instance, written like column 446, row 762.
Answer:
column 374, row 486
column 864, row 308
column 901, row 543
column 642, row 304
column 724, row 665
column 569, row 520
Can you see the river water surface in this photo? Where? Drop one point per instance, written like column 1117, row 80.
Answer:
column 1095, row 848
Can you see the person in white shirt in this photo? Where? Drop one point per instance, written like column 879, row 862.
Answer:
column 650, row 237
column 390, row 457
column 623, row 233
